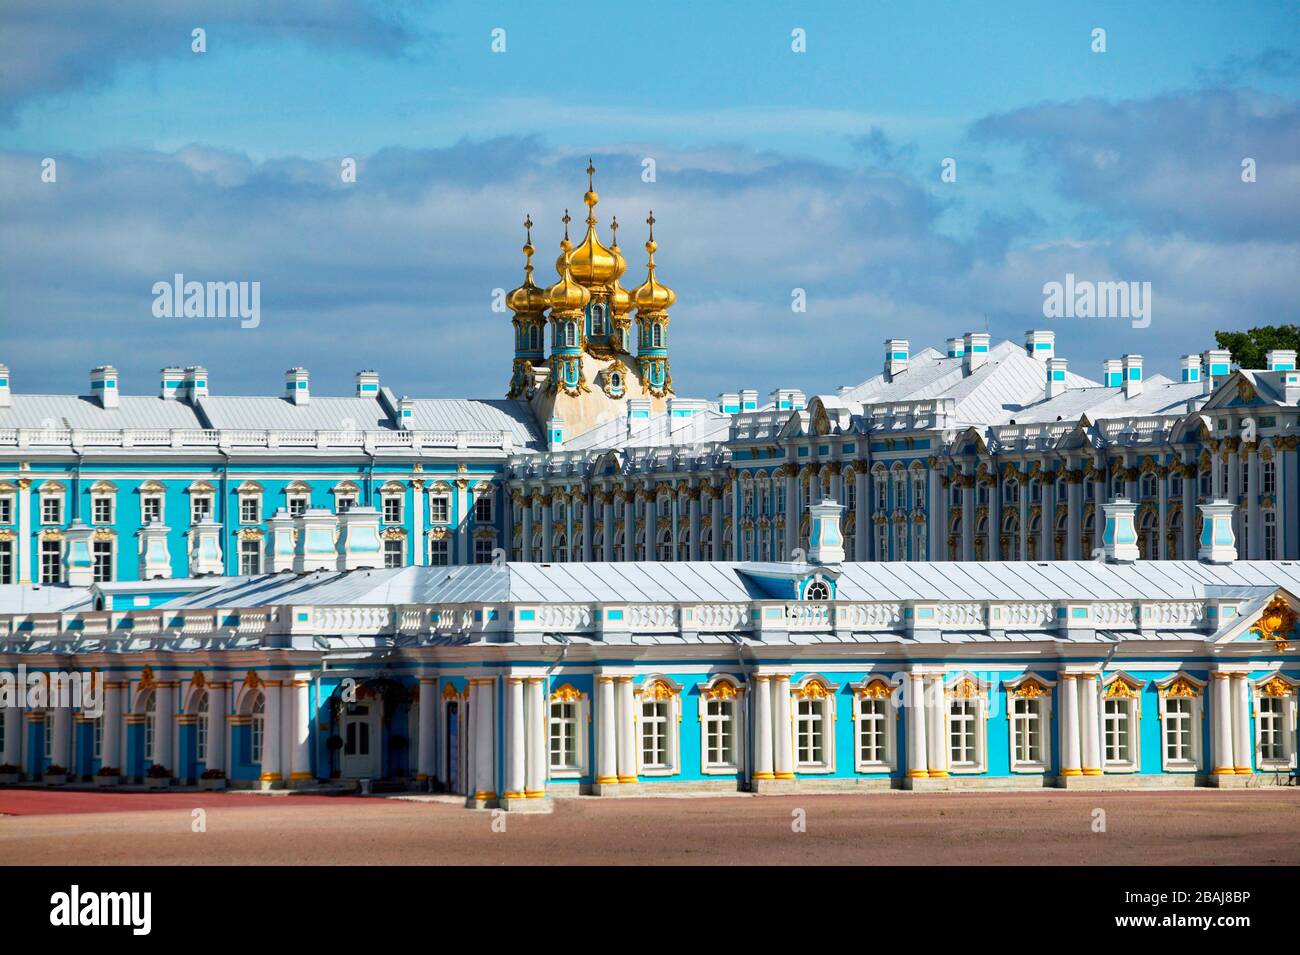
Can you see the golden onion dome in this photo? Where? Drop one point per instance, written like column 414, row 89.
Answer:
column 566, row 295
column 590, row 261
column 528, row 299
column 620, row 298
column 652, row 295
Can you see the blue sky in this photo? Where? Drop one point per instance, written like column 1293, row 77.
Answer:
column 775, row 170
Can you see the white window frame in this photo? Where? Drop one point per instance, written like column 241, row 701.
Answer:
column 1182, row 688
column 201, row 709
column 1132, row 705
column 8, row 509
column 44, row 545
column 196, row 501
column 819, row 693
column 401, row 551
column 1018, row 692
column 439, row 500
column 55, row 500
column 95, row 546
column 489, row 496
column 153, row 496
column 257, row 730
column 876, row 691
column 1268, row 688
column 255, row 500
column 567, row 694
column 297, row 503
column 391, row 499
column 955, row 691
column 723, row 689
column 239, row 554
column 444, row 544
column 659, row 689
column 103, row 498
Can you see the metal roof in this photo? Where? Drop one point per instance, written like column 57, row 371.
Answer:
column 43, row 598
column 467, row 414
column 77, row 411
column 320, row 413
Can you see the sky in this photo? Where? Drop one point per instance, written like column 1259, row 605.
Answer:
column 780, row 176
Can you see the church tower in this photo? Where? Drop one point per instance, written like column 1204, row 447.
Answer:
column 590, row 372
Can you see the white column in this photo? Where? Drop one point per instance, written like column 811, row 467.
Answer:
column 424, row 765
column 1073, row 517
column 627, row 743
column 516, row 739
column 1221, row 723
column 607, row 526
column 12, row 744
column 914, row 714
column 547, row 530
column 693, row 520
column 1090, row 725
column 1071, row 755
column 607, row 726
column 651, row 526
column 300, row 752
column 216, row 757
column 782, row 729
column 936, row 721
column 968, row 517
column 536, row 728
column 1254, row 521
column 1241, row 744
column 61, row 728
column 791, row 511
column 484, row 730
column 762, row 704
column 272, row 770
column 717, row 530
column 862, row 522
column 1162, row 516
column 420, row 551
column 164, row 729
column 629, row 528
column 587, row 519
column 526, row 529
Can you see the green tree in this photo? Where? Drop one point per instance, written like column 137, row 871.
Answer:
column 1249, row 348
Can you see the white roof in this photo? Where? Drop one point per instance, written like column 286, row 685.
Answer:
column 76, row 411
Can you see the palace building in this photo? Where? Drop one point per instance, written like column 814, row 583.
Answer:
column 975, row 568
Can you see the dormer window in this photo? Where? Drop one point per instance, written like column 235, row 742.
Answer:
column 818, row 590
column 598, row 320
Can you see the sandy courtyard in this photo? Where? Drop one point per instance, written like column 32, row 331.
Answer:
column 1152, row 828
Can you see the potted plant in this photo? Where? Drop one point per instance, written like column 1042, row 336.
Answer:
column 55, row 775
column 158, row 777
column 9, row 774
column 107, row 776
column 212, row 779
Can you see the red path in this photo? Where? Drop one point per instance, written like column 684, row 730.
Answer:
column 59, row 802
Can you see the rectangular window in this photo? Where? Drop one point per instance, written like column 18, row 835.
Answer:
column 719, row 733
column 564, row 735
column 1268, row 474
column 439, row 553
column 1272, row 729
column 1270, row 535
column 47, row 744
column 52, row 509
column 1178, row 730
column 483, row 508
column 392, row 510
column 1118, row 732
column 250, row 557
column 963, row 730
column 344, row 503
column 6, row 510
column 6, row 562
column 257, row 737
column 810, row 733
column 151, row 509
column 483, row 548
column 250, row 509
column 1027, row 733
column 654, row 734
column 873, row 733
column 440, row 508
column 200, row 509
column 51, row 562
column 393, row 553
column 297, row 506
column 101, row 510
column 102, row 556
column 97, row 738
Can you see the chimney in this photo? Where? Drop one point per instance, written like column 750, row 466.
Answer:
column 103, row 385
column 1291, row 387
column 681, row 411
column 367, row 384
column 1040, row 344
column 205, row 548
column 956, row 347
column 729, row 402
column 359, row 544
column 1216, row 364
column 1119, row 538
column 555, row 433
column 316, row 547
column 297, row 386
column 171, row 384
column 825, row 542
column 1132, row 375
column 1281, row 359
column 748, row 399
column 406, row 414
column 5, row 400
column 196, row 382
column 787, row 399
column 1191, row 367
column 1218, row 542
column 638, row 415
column 1055, row 376
column 155, row 559
column 1112, row 373
column 280, row 531
column 977, row 350
column 896, row 354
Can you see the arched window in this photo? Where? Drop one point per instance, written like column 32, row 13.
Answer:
column 561, row 548
column 664, row 551
column 534, row 338
column 657, row 335
column 258, row 736
column 1011, row 491
column 570, row 334
column 201, row 727
column 151, row 728
column 818, row 590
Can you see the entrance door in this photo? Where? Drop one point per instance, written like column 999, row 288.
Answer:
column 360, row 741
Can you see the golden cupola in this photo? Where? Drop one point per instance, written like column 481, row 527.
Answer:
column 529, row 298
column 620, row 299
column 652, row 296
column 590, row 262
column 566, row 295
